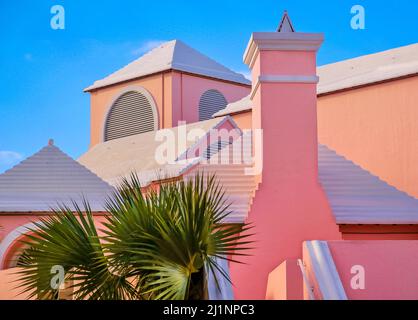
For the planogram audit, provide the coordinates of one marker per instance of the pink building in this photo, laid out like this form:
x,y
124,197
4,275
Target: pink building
x,y
334,216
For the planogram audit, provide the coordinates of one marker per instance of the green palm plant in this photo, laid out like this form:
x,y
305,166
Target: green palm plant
x,y
158,245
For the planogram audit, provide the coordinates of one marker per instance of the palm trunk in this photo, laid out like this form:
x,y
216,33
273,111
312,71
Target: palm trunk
x,y
198,289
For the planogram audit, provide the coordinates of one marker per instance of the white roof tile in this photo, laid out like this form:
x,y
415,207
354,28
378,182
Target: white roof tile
x,y
174,55
50,177
355,195
116,159
47,178
245,104
358,197
368,69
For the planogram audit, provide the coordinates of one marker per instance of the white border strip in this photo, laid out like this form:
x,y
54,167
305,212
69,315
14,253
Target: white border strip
x,y
289,78
325,271
269,78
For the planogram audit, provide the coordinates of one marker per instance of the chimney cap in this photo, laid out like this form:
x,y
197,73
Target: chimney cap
x,y
285,24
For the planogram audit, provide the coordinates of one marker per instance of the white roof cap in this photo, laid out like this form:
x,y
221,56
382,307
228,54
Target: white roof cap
x,y
172,55
48,178
286,24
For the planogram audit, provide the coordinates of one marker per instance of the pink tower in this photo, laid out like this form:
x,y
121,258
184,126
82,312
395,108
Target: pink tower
x,y
290,205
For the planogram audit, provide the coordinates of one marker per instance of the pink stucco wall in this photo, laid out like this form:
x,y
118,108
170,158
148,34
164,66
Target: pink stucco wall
x,y
390,268
375,126
10,222
157,85
9,286
187,90
9,279
290,205
175,94
287,63
285,282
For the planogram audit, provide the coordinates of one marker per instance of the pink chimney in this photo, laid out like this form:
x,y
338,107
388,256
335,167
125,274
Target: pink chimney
x,y
290,205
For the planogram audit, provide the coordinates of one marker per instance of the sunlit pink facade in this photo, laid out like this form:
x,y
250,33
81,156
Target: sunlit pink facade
x,y
329,222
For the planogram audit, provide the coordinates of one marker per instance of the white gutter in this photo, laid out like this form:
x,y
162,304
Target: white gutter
x,y
306,279
325,271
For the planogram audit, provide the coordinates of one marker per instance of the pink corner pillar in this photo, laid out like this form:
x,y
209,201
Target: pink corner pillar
x,y
290,205
285,282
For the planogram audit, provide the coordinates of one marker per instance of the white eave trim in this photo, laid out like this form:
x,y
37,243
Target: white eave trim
x,y
236,78
288,78
364,80
325,271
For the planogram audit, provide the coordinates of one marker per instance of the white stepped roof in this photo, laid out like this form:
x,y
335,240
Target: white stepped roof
x,y
172,55
355,195
48,178
352,73
358,197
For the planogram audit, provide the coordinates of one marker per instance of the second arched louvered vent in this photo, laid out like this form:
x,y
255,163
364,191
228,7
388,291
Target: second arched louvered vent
x,y
211,102
132,113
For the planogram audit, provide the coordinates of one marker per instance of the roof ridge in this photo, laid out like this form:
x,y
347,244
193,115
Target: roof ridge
x,y
204,55
50,177
24,160
125,67
166,56
371,54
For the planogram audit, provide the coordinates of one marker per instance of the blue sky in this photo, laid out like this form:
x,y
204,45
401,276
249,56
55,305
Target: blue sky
x,y
43,71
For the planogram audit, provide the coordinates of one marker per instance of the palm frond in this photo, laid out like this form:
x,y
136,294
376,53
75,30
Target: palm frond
x,y
70,241
156,245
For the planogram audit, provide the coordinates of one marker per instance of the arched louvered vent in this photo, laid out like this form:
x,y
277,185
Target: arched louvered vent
x,y
132,113
211,102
